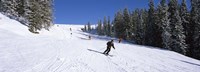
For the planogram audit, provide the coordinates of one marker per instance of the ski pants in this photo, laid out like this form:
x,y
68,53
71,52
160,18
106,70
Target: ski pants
x,y
107,50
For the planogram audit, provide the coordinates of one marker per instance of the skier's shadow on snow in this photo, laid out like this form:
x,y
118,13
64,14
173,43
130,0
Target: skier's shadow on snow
x,y
99,52
95,51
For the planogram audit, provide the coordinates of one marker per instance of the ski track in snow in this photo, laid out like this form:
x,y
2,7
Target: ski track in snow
x,y
59,51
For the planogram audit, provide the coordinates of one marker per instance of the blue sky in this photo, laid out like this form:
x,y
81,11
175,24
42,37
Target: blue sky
x,y
82,11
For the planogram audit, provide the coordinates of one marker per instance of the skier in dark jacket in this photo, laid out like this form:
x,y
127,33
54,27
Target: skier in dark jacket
x,y
109,45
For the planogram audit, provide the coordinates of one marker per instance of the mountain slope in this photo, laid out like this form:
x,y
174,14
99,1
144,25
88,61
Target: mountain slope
x,y
59,51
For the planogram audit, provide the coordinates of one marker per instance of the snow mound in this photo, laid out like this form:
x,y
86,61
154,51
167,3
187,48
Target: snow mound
x,y
13,26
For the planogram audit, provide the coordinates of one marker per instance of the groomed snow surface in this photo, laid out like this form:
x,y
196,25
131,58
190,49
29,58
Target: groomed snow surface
x,y
59,51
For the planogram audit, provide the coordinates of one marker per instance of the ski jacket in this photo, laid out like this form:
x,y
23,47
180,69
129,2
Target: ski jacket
x,y
110,44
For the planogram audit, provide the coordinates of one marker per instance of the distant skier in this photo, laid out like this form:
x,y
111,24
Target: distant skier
x,y
120,39
89,37
70,29
109,45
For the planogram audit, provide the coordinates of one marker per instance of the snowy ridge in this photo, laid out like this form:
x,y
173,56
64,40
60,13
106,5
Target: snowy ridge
x,y
14,26
59,51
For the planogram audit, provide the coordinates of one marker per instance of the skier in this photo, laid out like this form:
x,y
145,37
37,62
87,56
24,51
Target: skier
x,y
109,45
70,29
89,37
120,39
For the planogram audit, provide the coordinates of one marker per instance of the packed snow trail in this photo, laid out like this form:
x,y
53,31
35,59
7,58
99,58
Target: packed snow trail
x,y
59,51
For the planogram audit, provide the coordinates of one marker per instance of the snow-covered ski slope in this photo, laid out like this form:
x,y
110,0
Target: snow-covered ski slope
x,y
59,51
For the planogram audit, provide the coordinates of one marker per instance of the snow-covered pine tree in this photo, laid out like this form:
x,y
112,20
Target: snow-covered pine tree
x,y
39,14
185,18
133,24
164,24
89,27
99,28
26,12
14,9
184,13
118,24
36,14
126,26
85,28
112,29
109,27
8,8
33,16
20,7
21,11
158,29
105,26
140,28
178,37
195,21
145,21
47,13
150,37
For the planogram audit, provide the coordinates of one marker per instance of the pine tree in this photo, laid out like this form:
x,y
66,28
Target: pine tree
x,y
113,29
158,29
20,7
21,11
126,26
36,14
185,17
118,25
47,13
151,26
8,8
85,28
89,27
140,28
195,27
145,21
109,27
133,24
99,28
178,37
33,16
164,24
105,26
